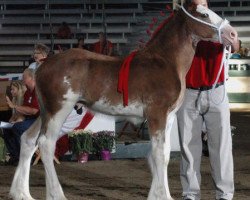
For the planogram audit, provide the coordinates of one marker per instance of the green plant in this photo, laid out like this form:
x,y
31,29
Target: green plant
x,y
104,140
81,141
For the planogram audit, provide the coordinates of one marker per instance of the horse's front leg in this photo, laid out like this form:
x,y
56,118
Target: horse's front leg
x,y
159,158
20,185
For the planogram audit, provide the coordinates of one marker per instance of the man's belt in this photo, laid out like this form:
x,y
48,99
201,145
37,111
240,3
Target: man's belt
x,y
204,88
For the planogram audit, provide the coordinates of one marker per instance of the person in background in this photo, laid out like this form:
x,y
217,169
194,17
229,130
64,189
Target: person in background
x,y
41,52
80,44
17,90
201,105
241,53
29,109
64,31
103,46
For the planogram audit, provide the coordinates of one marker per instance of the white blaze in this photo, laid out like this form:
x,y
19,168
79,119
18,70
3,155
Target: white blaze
x,y
213,17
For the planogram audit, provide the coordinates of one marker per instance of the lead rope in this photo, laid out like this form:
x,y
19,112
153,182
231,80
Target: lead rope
x,y
224,61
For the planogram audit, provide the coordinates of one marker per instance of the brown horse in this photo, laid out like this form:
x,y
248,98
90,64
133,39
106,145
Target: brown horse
x,y
156,85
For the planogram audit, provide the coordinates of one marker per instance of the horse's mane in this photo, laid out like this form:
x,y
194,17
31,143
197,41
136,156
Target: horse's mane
x,y
162,24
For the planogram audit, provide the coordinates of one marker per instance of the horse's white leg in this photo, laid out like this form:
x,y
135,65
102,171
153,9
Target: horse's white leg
x,y
47,143
47,148
158,161
20,185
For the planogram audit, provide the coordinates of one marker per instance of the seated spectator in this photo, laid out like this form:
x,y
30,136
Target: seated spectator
x,y
41,52
17,90
30,110
103,46
80,44
241,53
64,31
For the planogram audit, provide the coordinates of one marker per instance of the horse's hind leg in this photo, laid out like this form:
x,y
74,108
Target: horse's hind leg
x,y
159,159
46,146
20,185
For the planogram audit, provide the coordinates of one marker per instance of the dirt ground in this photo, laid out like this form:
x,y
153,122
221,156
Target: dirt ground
x,y
130,179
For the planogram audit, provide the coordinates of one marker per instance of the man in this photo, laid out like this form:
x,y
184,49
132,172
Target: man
x,y
64,31
30,109
41,52
202,104
103,46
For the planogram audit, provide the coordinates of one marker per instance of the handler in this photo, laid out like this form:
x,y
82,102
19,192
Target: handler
x,y
202,104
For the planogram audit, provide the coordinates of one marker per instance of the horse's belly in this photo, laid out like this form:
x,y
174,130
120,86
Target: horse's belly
x,y
134,109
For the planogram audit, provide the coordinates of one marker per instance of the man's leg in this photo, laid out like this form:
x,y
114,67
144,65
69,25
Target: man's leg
x,y
220,145
190,125
10,142
18,129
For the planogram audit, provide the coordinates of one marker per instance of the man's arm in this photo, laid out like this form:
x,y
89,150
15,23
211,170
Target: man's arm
x,y
26,110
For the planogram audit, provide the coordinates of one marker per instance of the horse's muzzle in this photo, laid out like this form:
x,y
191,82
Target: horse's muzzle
x,y
229,37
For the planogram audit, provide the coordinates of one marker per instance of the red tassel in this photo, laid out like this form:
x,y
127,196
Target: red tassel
x,y
141,40
168,7
155,20
149,32
151,26
163,14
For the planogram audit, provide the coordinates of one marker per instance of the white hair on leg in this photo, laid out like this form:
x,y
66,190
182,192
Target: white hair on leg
x,y
53,187
159,160
20,185
47,146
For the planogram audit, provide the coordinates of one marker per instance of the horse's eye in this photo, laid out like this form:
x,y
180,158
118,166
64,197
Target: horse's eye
x,y
205,15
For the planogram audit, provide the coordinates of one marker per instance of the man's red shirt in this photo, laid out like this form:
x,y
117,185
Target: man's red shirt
x,y
205,66
30,100
102,49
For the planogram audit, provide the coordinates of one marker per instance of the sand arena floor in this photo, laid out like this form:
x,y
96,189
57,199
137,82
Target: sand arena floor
x,y
130,179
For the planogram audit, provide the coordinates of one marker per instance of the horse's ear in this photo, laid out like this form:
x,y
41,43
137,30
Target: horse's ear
x,y
187,3
181,2
190,5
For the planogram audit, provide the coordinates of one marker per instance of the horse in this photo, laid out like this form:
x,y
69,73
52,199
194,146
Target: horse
x,y
154,91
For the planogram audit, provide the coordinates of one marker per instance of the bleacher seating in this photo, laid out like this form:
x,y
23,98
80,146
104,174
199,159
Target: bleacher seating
x,y
238,13
24,23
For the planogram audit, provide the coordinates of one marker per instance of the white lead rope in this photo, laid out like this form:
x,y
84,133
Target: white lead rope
x,y
224,62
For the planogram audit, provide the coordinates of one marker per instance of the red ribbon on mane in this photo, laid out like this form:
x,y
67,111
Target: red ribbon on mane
x,y
124,71
123,77
162,24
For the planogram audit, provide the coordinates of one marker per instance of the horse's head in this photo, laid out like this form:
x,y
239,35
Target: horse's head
x,y
207,25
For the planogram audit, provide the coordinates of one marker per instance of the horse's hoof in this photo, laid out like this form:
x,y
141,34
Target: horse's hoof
x,y
21,197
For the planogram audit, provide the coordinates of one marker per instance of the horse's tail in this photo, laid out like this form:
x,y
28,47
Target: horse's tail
x,y
42,115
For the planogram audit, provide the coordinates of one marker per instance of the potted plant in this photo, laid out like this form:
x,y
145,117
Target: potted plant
x,y
81,143
104,142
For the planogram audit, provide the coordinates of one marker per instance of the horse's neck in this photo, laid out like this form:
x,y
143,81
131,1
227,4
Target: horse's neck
x,y
174,44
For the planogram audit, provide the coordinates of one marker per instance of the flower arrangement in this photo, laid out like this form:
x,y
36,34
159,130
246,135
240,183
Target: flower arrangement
x,y
104,140
81,141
